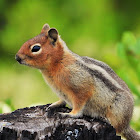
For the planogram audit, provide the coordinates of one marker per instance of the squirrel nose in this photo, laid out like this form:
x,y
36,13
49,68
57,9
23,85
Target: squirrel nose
x,y
18,58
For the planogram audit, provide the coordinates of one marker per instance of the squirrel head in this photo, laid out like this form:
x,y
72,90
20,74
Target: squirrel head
x,y
42,50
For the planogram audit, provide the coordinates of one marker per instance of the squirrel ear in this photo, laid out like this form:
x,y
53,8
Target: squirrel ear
x,y
53,34
45,28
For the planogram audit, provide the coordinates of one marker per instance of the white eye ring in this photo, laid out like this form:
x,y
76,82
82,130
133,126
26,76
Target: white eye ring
x,y
36,48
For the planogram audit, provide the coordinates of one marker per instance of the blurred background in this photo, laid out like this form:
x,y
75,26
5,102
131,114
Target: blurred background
x,y
108,30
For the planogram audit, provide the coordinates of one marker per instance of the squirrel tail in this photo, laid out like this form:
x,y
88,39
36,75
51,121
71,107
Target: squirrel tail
x,y
130,134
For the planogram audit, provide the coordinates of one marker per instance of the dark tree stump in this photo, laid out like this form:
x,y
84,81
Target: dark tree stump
x,y
32,124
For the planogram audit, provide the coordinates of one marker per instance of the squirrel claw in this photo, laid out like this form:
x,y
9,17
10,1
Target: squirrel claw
x,y
63,115
67,115
49,111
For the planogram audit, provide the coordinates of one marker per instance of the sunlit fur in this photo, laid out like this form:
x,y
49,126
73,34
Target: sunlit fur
x,y
89,86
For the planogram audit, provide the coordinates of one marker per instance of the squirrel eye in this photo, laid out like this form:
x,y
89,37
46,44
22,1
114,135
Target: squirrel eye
x,y
35,48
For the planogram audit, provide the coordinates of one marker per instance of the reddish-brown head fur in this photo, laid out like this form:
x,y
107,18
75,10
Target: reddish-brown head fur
x,y
41,51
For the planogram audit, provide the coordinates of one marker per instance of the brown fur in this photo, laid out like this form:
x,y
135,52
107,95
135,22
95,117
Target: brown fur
x,y
114,121
58,75
89,86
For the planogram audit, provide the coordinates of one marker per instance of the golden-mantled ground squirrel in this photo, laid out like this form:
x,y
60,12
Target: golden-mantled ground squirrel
x,y
89,86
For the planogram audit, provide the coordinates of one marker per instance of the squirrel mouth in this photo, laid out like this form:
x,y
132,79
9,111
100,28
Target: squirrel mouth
x,y
19,59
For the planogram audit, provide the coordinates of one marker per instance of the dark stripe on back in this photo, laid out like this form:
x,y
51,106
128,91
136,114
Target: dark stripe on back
x,y
99,75
107,69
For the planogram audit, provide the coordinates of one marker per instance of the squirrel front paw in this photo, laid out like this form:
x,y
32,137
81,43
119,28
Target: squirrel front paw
x,y
51,108
69,115
59,103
